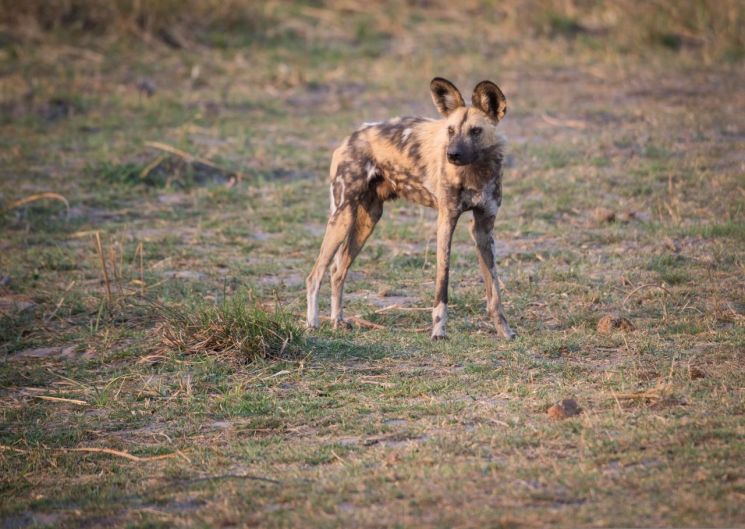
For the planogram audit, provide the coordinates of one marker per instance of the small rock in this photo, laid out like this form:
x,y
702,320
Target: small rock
x,y
609,323
604,215
564,409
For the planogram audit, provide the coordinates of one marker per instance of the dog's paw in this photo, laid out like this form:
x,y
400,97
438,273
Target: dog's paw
x,y
505,331
438,337
509,336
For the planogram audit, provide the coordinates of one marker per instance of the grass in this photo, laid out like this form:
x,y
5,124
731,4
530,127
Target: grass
x,y
234,330
262,424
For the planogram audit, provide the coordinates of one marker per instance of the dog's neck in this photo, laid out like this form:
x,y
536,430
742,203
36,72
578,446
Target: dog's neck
x,y
477,174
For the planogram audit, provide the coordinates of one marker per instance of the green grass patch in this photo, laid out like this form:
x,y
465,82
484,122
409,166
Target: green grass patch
x,y
235,329
730,230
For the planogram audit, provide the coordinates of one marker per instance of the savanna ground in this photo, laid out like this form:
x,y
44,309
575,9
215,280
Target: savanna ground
x,y
624,195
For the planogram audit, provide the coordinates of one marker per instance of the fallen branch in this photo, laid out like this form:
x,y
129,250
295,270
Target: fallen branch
x,y
61,399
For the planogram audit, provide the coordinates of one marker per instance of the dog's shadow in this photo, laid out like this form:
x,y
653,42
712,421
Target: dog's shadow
x,y
341,348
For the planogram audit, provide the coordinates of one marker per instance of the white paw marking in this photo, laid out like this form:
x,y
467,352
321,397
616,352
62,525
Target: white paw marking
x,y
312,319
439,319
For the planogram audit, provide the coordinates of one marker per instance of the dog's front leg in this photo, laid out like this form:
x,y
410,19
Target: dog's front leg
x,y
446,222
481,233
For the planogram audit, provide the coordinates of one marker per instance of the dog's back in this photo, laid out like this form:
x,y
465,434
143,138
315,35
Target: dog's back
x,y
406,158
388,158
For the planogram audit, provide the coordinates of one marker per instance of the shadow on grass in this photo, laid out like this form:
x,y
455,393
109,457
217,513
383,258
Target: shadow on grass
x,y
328,348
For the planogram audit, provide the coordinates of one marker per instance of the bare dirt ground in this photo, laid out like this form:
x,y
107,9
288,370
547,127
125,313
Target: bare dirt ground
x,y
201,165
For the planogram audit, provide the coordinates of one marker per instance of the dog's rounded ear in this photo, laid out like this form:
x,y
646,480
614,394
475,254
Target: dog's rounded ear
x,y
445,96
489,98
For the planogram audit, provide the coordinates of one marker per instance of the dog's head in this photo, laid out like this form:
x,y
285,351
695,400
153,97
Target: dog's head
x,y
471,130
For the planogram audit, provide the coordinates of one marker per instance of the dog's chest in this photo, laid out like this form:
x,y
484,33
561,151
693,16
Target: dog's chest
x,y
485,195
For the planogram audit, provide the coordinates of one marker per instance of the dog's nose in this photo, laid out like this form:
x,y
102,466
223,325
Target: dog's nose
x,y
454,157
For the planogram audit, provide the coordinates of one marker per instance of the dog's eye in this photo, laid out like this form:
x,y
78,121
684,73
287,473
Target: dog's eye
x,y
451,131
475,131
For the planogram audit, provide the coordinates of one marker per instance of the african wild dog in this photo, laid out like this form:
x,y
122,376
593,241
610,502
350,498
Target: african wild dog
x,y
452,164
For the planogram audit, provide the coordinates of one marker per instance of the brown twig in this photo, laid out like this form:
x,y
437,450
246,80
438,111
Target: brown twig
x,y
119,453
62,399
640,287
572,123
13,449
103,267
656,392
60,302
152,165
109,451
190,158
40,196
141,250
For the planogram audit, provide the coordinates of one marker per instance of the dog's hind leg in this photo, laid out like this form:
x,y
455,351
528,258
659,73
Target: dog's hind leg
x,y
365,217
338,229
481,233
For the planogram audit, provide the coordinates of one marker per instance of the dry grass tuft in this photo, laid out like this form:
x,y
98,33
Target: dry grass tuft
x,y
236,330
710,29
163,19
